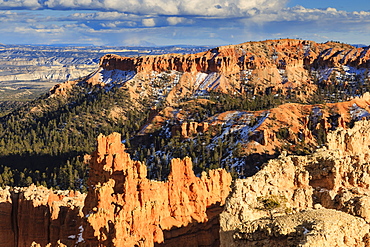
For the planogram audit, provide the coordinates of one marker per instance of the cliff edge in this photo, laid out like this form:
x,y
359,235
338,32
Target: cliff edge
x,y
336,177
124,208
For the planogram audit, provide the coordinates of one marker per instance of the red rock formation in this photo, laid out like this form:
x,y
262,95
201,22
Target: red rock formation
x,y
278,66
288,54
188,130
6,219
124,208
62,88
40,216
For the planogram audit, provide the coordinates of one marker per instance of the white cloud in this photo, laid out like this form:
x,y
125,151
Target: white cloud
x,y
150,22
26,4
175,20
102,16
224,8
330,15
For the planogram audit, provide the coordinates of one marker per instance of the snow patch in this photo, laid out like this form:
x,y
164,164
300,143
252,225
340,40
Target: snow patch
x,y
162,84
206,82
116,76
357,113
79,236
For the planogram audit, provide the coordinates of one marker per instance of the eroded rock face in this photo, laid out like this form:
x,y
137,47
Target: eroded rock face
x,y
124,208
6,229
336,178
62,88
272,66
37,215
282,54
307,228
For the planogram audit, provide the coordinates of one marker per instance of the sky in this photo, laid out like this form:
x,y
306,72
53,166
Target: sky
x,y
179,22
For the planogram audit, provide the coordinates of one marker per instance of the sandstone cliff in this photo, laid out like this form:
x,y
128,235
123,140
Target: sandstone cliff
x,y
232,59
37,215
335,178
275,66
286,66
124,208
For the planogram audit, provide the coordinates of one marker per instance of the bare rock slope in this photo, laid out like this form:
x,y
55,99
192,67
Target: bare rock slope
x,y
283,204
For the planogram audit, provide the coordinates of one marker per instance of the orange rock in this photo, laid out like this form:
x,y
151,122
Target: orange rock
x,y
37,216
62,88
124,208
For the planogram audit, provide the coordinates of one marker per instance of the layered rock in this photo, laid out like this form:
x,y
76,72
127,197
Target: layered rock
x,y
353,140
37,215
282,54
7,236
187,130
336,178
124,208
272,66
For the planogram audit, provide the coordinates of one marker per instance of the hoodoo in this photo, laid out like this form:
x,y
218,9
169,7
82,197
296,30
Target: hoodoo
x,y
124,208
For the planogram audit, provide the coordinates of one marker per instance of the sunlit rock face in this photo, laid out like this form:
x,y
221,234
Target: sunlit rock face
x,y
124,208
287,201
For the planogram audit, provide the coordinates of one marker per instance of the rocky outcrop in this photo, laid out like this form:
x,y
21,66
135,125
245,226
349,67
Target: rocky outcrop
x,y
282,54
272,66
276,67
306,228
124,208
216,60
353,140
7,233
37,215
336,178
189,129
62,88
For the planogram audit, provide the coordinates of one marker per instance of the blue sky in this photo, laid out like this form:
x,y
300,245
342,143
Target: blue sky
x,y
173,22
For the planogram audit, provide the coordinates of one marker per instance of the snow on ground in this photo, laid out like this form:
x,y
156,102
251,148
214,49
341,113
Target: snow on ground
x,y
284,76
324,74
245,75
116,76
349,74
200,77
79,236
354,71
162,83
240,124
206,82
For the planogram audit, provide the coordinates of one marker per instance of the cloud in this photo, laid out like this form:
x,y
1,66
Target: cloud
x,y
173,20
102,16
150,22
21,4
225,8
300,13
